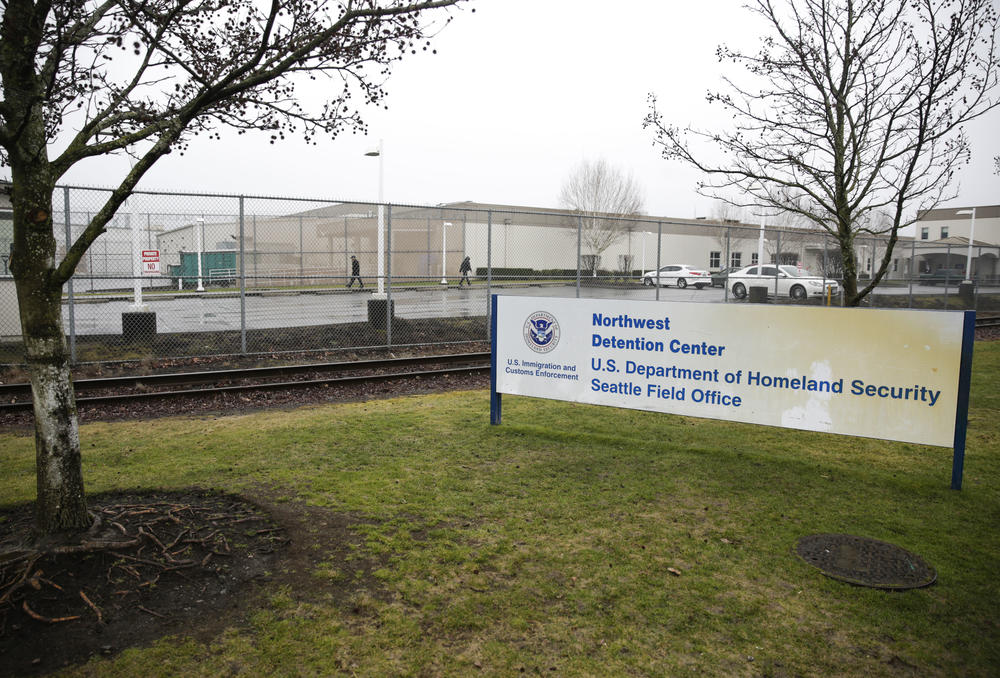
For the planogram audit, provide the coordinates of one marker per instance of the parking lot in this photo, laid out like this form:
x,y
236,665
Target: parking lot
x,y
214,311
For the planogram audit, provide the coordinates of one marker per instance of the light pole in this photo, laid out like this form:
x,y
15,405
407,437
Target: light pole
x,y
136,258
972,235
380,154
760,248
444,251
201,237
643,265
506,229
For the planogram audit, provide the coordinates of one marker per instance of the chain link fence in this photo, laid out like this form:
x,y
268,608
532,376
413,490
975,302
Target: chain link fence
x,y
184,275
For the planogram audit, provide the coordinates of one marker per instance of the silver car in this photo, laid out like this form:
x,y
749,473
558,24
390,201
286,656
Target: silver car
x,y
681,275
781,281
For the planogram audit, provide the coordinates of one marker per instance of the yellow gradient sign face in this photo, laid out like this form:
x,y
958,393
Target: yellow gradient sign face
x,y
890,374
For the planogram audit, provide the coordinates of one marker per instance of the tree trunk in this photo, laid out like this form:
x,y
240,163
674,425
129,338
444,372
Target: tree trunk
x,y
845,239
61,504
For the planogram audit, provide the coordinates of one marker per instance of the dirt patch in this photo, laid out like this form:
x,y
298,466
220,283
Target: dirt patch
x,y
228,403
161,563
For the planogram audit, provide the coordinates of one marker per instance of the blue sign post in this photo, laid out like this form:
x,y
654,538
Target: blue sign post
x,y
964,385
494,394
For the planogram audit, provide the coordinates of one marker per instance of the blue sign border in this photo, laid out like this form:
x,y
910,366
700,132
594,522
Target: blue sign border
x,y
961,413
495,405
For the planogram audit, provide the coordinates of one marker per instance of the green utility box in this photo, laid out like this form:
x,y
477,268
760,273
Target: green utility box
x,y
218,268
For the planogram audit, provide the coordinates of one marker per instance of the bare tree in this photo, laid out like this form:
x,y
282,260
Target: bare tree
x,y
852,108
86,78
603,196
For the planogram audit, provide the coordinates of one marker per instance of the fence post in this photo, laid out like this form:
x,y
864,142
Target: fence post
x,y
104,239
579,261
90,266
659,247
826,292
947,264
388,276
489,273
243,283
302,255
776,264
912,269
870,269
69,284
726,261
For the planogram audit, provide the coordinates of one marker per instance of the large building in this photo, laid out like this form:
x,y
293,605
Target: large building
x,y
277,242
319,242
943,238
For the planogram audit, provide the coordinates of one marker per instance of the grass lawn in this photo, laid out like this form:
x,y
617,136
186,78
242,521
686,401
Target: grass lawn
x,y
548,545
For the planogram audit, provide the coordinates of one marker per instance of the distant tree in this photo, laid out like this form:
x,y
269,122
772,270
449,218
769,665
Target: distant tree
x,y
852,108
604,197
87,78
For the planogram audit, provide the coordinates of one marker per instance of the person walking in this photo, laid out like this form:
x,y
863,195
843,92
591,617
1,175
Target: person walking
x,y
464,270
356,273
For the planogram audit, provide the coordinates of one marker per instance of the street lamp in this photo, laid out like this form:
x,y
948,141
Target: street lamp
x,y
760,247
444,250
380,154
201,244
643,265
136,258
972,235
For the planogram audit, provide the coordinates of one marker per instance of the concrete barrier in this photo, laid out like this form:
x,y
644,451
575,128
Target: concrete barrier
x,y
377,311
758,294
967,293
138,326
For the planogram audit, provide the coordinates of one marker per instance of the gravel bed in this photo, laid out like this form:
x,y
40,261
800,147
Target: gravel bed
x,y
252,401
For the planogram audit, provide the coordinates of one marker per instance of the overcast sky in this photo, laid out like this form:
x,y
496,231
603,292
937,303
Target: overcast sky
x,y
518,93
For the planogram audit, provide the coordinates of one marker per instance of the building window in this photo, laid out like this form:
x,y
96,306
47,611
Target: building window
x,y
713,259
924,232
735,258
753,259
895,265
944,232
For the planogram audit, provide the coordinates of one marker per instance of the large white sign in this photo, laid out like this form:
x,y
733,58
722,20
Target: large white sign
x,y
890,374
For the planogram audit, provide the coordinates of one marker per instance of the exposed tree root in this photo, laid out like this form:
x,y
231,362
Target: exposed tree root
x,y
90,603
139,544
48,620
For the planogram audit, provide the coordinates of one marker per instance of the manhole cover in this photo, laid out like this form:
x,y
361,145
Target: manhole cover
x,y
865,562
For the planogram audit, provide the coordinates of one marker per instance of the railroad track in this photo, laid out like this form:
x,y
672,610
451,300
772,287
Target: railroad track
x,y
989,320
111,390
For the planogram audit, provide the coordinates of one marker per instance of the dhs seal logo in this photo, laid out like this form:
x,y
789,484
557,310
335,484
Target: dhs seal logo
x,y
541,332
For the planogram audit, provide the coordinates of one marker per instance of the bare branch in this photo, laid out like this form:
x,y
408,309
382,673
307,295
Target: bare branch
x,y
850,110
602,196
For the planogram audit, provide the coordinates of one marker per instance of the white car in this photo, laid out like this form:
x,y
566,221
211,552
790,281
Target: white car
x,y
781,281
681,275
